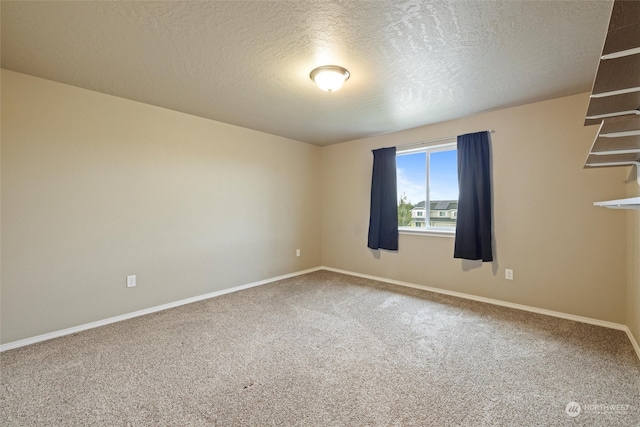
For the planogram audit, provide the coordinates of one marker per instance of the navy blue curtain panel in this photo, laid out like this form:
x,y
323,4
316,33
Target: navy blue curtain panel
x,y
473,226
383,220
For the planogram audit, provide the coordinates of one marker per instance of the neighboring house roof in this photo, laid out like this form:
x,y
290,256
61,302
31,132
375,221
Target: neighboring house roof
x,y
443,205
438,205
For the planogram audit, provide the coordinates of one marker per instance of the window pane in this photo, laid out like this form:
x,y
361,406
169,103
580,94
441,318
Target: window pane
x,y
412,189
443,188
428,187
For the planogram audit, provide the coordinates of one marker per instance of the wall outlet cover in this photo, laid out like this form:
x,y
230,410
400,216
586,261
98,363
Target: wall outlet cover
x,y
131,281
508,274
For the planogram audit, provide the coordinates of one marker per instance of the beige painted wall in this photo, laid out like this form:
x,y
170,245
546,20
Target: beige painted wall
x,y
95,188
567,255
633,259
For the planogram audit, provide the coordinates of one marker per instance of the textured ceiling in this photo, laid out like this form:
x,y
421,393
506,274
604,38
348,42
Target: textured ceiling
x,y
412,63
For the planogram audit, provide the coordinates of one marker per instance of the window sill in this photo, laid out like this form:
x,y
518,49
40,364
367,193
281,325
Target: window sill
x,y
436,233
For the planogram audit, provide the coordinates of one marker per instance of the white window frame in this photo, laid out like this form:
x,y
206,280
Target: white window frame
x,y
428,229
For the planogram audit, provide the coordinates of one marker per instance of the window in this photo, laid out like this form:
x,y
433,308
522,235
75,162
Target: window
x,y
428,187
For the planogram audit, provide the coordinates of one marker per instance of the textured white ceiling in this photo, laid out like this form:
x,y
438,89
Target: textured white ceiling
x,y
247,63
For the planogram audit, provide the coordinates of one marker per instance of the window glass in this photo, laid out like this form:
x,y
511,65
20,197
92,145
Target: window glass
x,y
428,188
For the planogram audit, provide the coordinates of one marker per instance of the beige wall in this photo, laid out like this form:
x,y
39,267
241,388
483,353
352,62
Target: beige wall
x,y
95,188
567,255
633,259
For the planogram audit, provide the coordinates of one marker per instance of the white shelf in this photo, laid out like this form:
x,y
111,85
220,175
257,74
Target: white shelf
x,y
615,98
631,203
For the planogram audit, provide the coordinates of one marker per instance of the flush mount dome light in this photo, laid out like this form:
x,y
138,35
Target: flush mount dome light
x,y
329,78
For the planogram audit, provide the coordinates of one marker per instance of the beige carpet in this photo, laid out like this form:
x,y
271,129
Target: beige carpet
x,y
325,349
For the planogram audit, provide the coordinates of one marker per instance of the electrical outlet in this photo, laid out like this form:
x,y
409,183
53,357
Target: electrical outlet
x,y
131,281
297,252
508,274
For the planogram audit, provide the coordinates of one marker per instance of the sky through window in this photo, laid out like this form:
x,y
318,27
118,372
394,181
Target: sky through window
x,y
411,175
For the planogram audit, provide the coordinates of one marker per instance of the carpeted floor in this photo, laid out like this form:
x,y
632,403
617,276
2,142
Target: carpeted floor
x,y
325,349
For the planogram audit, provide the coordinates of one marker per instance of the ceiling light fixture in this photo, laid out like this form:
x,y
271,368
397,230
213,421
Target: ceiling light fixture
x,y
329,78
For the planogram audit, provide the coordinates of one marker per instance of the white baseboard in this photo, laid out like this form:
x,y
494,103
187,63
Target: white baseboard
x,y
98,323
633,341
75,329
552,313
